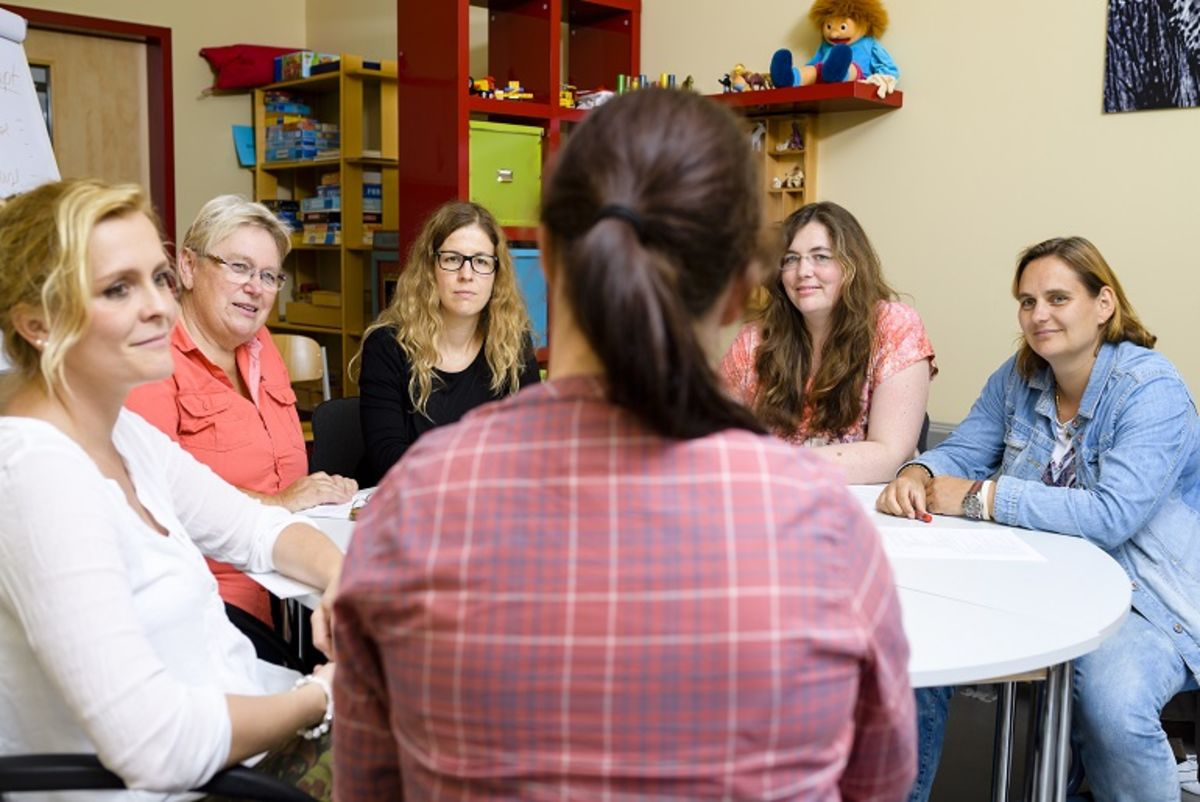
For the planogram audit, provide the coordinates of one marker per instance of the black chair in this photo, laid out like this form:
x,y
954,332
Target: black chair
x,y
337,438
20,773
923,437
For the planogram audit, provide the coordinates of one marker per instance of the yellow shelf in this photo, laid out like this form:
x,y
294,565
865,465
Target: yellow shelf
x,y
361,97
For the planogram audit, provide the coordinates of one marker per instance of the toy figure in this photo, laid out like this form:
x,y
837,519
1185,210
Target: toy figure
x,y
726,83
741,79
849,52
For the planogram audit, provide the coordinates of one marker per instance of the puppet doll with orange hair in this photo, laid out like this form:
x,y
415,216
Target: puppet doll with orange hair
x,y
850,50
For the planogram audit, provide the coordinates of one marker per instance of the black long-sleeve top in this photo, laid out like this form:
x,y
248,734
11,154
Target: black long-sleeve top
x,y
390,424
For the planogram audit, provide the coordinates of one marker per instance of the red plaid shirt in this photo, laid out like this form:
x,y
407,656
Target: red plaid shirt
x,y
546,601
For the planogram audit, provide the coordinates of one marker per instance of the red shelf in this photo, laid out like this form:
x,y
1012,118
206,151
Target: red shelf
x,y
520,233
844,96
571,115
509,108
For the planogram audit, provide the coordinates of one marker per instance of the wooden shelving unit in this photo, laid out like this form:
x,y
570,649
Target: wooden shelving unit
x,y
361,97
783,124
541,43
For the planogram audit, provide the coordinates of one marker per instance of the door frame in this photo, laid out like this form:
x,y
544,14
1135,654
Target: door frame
x,y
160,99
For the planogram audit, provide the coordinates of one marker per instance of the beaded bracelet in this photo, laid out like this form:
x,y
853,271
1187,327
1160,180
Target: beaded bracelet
x,y
322,727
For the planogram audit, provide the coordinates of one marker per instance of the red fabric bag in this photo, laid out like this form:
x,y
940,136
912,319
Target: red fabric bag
x,y
243,66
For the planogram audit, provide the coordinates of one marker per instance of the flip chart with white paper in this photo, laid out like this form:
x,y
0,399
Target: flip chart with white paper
x,y
26,158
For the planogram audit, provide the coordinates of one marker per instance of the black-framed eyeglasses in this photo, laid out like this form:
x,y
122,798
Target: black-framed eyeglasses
x,y
242,273
452,261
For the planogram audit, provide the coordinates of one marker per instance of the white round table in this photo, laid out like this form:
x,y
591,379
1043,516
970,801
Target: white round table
x,y
972,620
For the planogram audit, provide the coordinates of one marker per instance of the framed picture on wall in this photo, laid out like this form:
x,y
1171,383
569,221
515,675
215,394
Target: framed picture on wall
x,y
385,270
1153,55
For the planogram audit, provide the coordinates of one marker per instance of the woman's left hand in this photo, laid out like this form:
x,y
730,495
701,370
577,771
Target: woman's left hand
x,y
318,488
944,494
322,620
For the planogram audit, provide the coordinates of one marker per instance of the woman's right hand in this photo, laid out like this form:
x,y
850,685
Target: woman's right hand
x,y
318,488
904,496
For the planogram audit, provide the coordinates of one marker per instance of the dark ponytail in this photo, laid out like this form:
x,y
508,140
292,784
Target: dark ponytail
x,y
653,209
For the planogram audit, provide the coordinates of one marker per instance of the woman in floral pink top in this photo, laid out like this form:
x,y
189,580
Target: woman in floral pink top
x,y
834,361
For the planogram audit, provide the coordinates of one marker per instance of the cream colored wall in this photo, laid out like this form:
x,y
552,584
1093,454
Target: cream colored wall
x,y
365,28
205,163
1001,143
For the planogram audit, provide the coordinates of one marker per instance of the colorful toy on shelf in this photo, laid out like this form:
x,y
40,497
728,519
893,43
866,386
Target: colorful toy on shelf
x,y
513,91
793,179
689,84
742,80
566,96
591,98
484,87
850,50
726,83
795,142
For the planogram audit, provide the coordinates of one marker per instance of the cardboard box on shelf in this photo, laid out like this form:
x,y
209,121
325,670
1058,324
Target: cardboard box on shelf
x,y
290,66
313,315
326,298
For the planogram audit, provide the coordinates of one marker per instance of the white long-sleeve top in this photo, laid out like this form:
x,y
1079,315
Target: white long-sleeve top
x,y
113,638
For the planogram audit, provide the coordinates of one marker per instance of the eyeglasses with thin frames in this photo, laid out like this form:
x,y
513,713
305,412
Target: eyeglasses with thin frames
x,y
792,260
452,261
242,273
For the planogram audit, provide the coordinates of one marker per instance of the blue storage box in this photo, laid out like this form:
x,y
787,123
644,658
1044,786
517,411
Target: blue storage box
x,y
528,265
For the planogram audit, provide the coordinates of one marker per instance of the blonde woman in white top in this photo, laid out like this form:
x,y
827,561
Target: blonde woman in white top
x,y
113,636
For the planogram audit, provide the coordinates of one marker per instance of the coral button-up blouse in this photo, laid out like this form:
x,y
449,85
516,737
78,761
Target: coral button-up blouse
x,y
253,443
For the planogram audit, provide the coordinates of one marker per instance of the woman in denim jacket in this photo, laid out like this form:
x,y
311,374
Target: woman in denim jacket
x,y
1088,432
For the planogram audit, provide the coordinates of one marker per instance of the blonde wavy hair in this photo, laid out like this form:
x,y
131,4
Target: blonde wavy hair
x,y
416,311
44,237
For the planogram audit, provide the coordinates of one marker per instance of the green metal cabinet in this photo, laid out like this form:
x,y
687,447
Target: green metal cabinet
x,y
506,170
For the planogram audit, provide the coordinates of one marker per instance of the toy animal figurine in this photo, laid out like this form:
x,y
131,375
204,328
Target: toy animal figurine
x,y
757,135
688,83
726,83
758,81
850,50
738,82
794,179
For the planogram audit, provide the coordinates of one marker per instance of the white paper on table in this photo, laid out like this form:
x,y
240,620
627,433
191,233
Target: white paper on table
x,y
955,543
340,511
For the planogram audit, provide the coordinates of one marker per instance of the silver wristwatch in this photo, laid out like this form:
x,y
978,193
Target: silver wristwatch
x,y
973,501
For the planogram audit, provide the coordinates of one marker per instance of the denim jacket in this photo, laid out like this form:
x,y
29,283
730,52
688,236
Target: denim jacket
x,y
1137,494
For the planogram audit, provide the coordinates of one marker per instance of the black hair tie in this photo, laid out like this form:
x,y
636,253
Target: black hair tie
x,y
623,213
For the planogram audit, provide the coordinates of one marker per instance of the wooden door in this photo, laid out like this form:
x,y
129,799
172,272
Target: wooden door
x,y
100,104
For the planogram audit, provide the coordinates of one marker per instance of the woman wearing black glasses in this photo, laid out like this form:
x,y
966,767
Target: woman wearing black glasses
x,y
230,401
455,336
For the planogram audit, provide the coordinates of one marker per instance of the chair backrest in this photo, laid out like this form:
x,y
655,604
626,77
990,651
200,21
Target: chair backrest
x,y
923,437
305,358
73,772
337,438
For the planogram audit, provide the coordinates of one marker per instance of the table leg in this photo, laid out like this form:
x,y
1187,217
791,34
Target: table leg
x,y
298,614
1062,757
1046,731
1002,750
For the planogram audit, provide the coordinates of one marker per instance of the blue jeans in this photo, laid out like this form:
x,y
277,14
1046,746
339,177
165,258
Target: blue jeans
x,y
1120,690
933,705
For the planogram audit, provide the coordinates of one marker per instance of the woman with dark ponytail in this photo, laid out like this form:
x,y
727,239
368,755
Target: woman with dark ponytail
x,y
615,581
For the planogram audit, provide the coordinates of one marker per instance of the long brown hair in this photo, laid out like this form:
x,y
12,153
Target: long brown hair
x,y
1094,273
783,362
651,211
415,310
